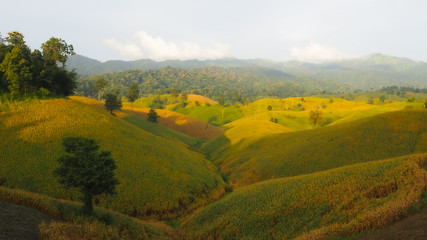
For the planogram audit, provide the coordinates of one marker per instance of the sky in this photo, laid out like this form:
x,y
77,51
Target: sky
x,y
282,30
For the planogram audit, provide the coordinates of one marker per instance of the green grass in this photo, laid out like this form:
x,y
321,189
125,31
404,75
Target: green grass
x,y
324,205
213,114
289,154
159,177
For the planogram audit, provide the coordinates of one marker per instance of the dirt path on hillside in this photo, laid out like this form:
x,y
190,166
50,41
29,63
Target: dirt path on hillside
x,y
412,227
17,222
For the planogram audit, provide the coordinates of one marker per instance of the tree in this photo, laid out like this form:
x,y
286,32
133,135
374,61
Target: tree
x,y
184,97
315,117
56,50
152,115
16,67
425,103
100,84
15,39
133,93
222,102
112,102
84,167
21,70
382,98
269,108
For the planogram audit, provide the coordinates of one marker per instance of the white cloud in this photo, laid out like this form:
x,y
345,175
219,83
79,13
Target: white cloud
x,y
315,52
126,50
158,48
155,47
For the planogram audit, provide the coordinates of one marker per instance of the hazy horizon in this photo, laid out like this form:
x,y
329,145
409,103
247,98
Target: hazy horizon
x,y
308,30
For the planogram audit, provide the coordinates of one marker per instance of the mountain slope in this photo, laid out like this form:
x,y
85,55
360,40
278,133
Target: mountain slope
x,y
159,178
324,205
295,153
371,71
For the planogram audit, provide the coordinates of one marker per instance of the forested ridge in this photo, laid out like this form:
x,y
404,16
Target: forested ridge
x,y
234,84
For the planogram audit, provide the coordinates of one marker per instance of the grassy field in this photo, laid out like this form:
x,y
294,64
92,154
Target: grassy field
x,y
293,112
214,114
293,153
239,135
324,205
159,177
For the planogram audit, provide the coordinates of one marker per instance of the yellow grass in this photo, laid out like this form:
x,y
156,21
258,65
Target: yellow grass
x,y
201,99
159,178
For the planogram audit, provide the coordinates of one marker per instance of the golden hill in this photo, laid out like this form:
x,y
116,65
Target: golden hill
x,y
294,153
159,177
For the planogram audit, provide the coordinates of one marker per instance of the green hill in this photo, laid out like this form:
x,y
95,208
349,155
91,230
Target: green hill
x,y
159,177
325,205
294,153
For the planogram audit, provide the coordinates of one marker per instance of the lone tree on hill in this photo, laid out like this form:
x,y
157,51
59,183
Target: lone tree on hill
x,y
112,102
100,84
315,117
152,115
133,93
84,167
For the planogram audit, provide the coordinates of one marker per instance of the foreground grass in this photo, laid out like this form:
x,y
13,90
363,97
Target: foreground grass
x,y
104,224
324,205
289,154
159,178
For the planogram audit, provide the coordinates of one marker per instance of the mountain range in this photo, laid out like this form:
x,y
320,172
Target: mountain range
x,y
368,72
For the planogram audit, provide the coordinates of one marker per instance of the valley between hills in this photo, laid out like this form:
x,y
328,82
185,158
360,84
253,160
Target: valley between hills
x,y
266,174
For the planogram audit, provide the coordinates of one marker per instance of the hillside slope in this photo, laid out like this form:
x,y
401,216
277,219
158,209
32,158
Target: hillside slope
x,y
323,205
159,178
180,123
289,154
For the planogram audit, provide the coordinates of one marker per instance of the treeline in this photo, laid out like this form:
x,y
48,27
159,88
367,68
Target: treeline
x,y
401,91
233,84
42,73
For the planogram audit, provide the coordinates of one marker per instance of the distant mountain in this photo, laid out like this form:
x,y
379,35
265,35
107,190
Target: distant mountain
x,y
371,71
85,66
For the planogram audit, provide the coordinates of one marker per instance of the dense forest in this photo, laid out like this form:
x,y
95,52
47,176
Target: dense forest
x,y
369,72
36,72
234,84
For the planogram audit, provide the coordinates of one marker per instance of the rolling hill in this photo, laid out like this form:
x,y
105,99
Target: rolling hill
x,y
159,177
294,153
325,205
